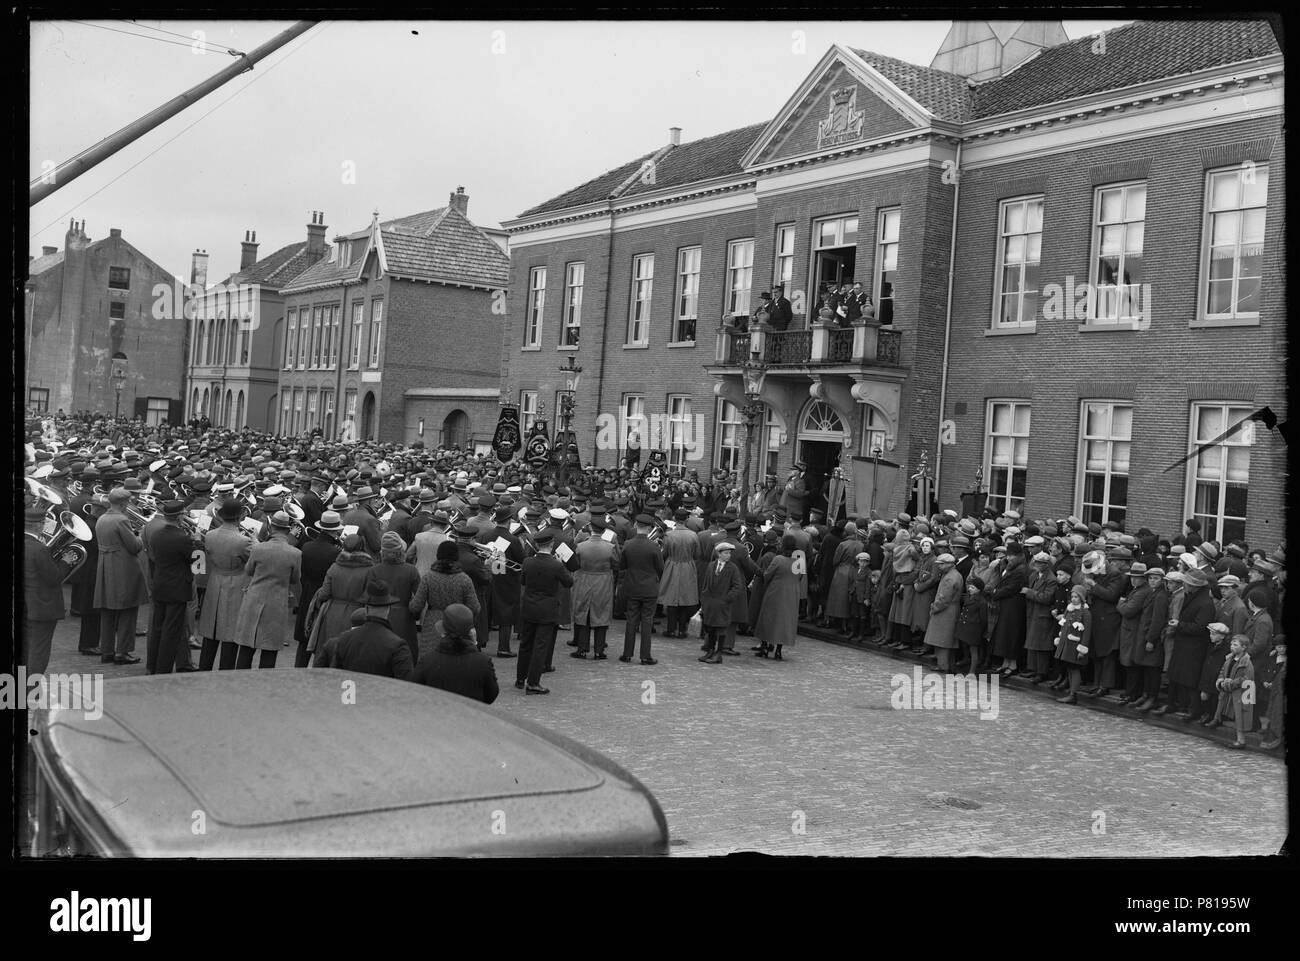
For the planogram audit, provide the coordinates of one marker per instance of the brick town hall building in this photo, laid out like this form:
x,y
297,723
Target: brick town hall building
x,y
1145,166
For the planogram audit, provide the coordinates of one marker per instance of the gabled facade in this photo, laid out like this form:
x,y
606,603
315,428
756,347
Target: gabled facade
x,y
237,333
394,335
89,303
1124,162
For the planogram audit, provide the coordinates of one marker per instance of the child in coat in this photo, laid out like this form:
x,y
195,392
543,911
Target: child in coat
x,y
1236,685
972,620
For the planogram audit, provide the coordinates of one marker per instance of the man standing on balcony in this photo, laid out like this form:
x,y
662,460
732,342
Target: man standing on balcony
x,y
782,314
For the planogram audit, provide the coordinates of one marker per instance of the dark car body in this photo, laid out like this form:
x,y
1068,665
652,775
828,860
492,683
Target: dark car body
x,y
322,763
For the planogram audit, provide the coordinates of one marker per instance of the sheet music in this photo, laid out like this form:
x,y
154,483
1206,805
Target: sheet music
x,y
563,552
608,535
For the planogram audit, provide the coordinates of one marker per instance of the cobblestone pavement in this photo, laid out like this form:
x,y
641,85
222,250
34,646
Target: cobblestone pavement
x,y
807,756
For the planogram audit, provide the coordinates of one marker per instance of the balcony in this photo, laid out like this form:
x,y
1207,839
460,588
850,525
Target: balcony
x,y
861,345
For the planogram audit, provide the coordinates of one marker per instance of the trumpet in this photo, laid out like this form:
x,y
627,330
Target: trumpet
x,y
138,516
486,552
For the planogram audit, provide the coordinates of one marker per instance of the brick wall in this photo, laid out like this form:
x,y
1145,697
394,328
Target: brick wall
x,y
73,336
1057,366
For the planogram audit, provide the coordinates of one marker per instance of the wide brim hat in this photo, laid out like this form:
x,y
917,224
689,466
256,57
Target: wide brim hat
x,y
1208,551
330,522
1195,578
281,520
365,494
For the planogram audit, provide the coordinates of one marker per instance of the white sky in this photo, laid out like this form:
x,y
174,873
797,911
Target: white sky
x,y
418,108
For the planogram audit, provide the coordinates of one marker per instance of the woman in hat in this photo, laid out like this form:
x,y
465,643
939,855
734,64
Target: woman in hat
x,y
927,580
319,552
778,616
456,664
1191,638
444,585
904,560
226,553
403,580
273,567
341,592
843,564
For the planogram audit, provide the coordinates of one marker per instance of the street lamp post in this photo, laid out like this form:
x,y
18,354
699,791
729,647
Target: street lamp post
x,y
119,381
875,468
753,373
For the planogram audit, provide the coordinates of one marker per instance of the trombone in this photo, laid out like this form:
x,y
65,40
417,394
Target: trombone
x,y
486,552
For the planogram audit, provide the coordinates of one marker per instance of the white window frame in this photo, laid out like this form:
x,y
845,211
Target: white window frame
x,y
1245,174
291,341
875,430
310,422
1212,525
286,413
886,254
840,239
638,319
772,431
1110,439
740,276
1116,304
350,406
376,332
1005,501
317,336
783,266
41,402
574,278
536,307
304,336
297,410
157,410
358,333
686,303
527,410
1031,203
679,427
632,413
729,418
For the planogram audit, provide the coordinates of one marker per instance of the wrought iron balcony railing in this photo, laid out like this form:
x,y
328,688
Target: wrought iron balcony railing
x,y
822,344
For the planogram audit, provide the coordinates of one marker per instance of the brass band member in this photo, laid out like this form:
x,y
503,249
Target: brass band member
x,y
119,582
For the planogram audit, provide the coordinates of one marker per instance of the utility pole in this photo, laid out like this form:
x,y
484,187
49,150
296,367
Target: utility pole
x,y
70,170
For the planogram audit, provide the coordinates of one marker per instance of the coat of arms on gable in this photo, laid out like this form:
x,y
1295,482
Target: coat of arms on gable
x,y
844,122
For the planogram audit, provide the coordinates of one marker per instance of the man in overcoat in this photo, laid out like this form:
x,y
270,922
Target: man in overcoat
x,y
719,588
274,566
643,568
167,649
542,580
372,647
42,595
119,583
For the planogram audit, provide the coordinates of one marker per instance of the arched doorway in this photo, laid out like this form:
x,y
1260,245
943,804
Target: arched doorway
x,y
368,416
455,429
194,405
239,411
203,410
229,409
822,432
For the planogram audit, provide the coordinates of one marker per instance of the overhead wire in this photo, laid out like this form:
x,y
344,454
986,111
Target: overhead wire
x,y
145,36
256,76
190,40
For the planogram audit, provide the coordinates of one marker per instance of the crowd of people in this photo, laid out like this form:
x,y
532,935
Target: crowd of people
x,y
405,561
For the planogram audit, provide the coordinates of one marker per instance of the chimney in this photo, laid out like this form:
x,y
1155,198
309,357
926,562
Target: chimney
x,y
47,251
115,232
316,235
76,238
460,200
248,250
199,269
675,136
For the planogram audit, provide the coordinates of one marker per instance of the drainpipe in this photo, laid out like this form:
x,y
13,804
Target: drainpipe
x,y
947,322
604,333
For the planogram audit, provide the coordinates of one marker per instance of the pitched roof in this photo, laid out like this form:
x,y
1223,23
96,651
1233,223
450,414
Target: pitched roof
x,y
1135,53
444,247
276,269
944,94
44,263
707,159
437,245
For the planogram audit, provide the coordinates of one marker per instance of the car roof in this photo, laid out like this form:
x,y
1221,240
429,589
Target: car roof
x,y
314,751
